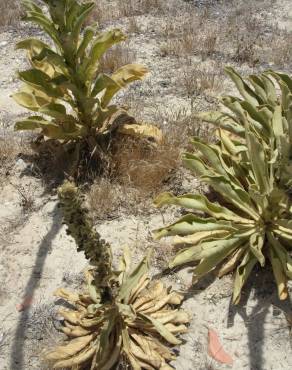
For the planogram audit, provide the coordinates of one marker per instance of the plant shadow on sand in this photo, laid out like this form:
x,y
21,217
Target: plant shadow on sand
x,y
262,288
258,296
17,352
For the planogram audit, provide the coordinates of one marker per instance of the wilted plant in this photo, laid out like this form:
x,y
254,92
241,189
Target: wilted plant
x,y
123,317
252,221
65,83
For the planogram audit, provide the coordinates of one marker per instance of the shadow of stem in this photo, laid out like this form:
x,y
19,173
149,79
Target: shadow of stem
x,y
17,351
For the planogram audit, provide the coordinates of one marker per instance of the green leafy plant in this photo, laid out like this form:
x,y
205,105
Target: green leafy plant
x,y
252,221
268,113
122,317
65,86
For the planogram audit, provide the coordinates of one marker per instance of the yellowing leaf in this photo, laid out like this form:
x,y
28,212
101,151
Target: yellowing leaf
x,y
141,131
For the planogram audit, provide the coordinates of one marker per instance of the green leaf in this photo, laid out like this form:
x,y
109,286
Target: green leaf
x,y
199,236
270,89
233,193
242,273
282,254
247,93
87,38
55,110
31,6
32,44
26,100
122,77
256,243
64,131
208,248
31,123
46,25
71,14
189,224
217,252
125,264
243,115
231,146
258,162
102,82
133,279
280,276
101,44
199,202
86,9
40,80
211,155
56,60
162,330
95,295
222,120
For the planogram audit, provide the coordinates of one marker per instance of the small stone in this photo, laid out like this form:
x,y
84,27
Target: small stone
x,y
3,43
20,165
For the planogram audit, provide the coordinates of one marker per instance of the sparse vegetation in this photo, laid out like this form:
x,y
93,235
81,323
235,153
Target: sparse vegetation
x,y
196,81
185,46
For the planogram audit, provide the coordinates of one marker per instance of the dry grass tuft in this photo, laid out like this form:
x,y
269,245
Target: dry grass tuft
x,y
139,170
130,8
133,26
195,80
189,35
116,57
8,151
144,166
10,148
27,200
104,198
10,12
281,53
208,43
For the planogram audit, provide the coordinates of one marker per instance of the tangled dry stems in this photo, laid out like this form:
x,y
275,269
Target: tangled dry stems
x,y
10,12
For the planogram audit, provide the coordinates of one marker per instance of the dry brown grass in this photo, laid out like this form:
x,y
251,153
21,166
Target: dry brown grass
x,y
245,33
130,8
195,80
139,170
144,166
10,12
281,53
133,25
189,34
104,198
208,43
9,149
103,13
27,200
116,57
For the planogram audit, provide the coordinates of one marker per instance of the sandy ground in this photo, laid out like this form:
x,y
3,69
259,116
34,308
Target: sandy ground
x,y
37,256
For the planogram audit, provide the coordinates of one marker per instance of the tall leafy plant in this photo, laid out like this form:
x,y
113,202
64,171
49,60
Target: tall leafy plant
x,y
64,85
251,223
122,317
265,105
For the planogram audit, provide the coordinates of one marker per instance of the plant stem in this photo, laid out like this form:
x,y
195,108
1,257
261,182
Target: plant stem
x,y
80,227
